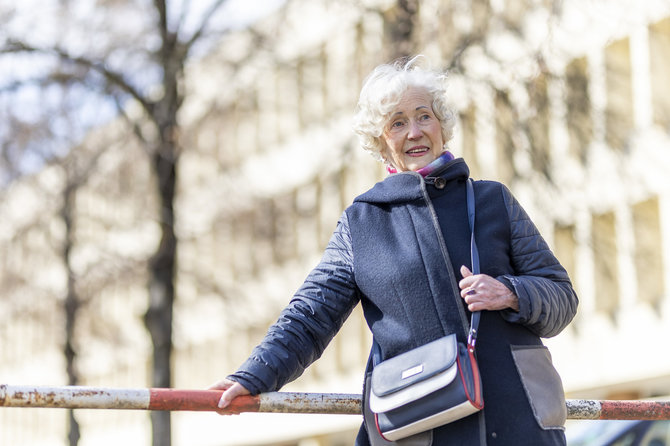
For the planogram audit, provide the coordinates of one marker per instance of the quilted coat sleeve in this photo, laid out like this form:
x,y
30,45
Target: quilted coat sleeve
x,y
547,301
308,323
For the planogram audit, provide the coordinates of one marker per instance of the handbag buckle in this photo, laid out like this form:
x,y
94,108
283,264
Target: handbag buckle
x,y
472,340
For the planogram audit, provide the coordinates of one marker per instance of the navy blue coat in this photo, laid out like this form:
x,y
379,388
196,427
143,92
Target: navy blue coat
x,y
398,249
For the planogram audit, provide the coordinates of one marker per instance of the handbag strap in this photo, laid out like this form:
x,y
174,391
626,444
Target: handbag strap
x,y
474,260
375,354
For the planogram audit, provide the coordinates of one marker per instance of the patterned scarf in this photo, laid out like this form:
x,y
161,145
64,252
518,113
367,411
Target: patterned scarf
x,y
435,165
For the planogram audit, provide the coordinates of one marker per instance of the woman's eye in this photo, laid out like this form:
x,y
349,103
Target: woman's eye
x,y
397,124
424,117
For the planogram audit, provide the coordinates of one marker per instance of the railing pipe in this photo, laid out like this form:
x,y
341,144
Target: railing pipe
x,y
81,397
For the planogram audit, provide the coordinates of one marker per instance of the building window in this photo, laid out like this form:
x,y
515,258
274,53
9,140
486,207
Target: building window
x,y
330,206
287,103
244,244
312,89
284,242
603,236
619,110
565,248
469,139
659,57
648,259
307,227
505,128
267,119
264,235
578,106
538,124
246,120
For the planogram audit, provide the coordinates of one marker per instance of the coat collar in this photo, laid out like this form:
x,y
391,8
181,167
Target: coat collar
x,y
407,186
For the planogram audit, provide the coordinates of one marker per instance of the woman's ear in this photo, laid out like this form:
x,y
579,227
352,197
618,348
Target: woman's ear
x,y
383,152
390,168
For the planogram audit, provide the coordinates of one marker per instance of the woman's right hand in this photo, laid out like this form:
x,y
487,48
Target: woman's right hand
x,y
483,292
231,390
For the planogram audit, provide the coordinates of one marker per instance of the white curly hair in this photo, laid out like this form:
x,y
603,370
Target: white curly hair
x,y
382,92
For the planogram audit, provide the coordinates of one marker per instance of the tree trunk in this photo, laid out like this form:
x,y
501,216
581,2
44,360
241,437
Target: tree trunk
x,y
71,307
158,318
162,265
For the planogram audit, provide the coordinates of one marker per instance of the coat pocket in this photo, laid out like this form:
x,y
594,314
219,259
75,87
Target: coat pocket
x,y
542,385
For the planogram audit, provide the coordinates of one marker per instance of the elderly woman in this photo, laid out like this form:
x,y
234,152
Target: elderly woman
x,y
403,250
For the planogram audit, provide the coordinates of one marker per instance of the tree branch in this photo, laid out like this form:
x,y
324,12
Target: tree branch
x,y
161,7
137,130
203,25
113,78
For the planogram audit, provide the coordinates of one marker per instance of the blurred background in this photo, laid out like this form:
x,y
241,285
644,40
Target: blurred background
x,y
171,170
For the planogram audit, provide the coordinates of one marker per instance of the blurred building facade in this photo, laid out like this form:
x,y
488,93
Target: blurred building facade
x,y
566,102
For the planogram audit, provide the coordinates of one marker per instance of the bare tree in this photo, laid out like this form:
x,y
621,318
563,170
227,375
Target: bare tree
x,y
77,170
32,139
134,56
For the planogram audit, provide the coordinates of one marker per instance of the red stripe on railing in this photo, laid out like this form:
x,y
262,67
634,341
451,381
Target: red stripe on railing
x,y
199,400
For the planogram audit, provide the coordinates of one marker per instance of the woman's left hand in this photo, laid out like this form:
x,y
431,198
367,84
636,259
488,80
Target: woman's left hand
x,y
231,390
483,292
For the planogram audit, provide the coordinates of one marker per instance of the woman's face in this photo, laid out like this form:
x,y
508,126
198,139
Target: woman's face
x,y
412,137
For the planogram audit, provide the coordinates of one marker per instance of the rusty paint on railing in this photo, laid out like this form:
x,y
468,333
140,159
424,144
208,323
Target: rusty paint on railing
x,y
295,402
73,397
618,410
80,397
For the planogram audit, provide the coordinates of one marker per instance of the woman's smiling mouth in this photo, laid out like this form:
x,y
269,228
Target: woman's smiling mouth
x,y
417,151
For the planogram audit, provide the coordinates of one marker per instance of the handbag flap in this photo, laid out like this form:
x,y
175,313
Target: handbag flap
x,y
411,394
414,366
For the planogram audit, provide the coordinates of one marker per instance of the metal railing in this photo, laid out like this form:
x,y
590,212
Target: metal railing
x,y
81,397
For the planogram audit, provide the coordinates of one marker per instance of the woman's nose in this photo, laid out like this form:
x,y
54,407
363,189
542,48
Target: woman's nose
x,y
414,131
